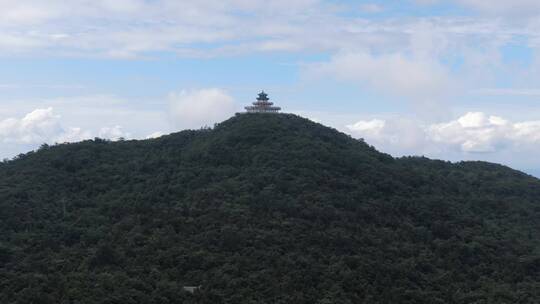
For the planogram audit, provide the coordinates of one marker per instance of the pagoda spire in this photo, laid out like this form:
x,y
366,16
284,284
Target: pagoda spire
x,y
262,105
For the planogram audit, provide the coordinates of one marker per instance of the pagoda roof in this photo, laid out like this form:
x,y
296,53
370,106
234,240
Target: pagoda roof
x,y
262,105
262,96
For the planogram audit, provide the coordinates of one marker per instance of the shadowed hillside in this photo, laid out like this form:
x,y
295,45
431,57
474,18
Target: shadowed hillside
x,y
263,208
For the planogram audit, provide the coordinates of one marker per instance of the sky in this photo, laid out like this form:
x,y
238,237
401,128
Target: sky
x,y
446,79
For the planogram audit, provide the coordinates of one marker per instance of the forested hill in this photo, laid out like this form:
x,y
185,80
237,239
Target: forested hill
x,y
263,209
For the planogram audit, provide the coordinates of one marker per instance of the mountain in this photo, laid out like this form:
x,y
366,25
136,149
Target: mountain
x,y
263,208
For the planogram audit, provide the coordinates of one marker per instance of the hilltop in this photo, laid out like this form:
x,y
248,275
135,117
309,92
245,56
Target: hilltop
x,y
263,208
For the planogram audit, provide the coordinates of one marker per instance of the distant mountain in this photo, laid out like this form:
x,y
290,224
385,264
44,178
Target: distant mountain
x,y
263,208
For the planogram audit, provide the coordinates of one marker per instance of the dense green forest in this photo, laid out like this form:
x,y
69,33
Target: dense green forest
x,y
263,208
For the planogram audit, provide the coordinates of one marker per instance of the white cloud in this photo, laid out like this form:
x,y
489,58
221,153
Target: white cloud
x,y
505,7
373,126
426,2
129,28
27,86
474,132
113,133
134,28
73,134
156,134
85,117
528,132
371,8
506,92
499,7
38,126
199,108
45,126
424,82
396,135
396,73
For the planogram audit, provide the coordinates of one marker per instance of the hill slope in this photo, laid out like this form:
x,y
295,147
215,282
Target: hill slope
x,y
263,209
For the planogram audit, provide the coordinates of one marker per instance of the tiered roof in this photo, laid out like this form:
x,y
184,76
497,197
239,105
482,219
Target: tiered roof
x,y
263,105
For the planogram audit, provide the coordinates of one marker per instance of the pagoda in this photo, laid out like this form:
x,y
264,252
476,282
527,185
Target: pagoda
x,y
263,105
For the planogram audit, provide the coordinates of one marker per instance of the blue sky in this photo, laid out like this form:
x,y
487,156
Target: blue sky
x,y
448,79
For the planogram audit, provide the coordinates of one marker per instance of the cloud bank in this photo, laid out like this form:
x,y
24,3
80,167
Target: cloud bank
x,y
137,28
418,79
44,126
198,108
472,133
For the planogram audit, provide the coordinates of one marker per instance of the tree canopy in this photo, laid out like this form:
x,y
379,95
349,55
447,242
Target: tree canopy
x,y
263,208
